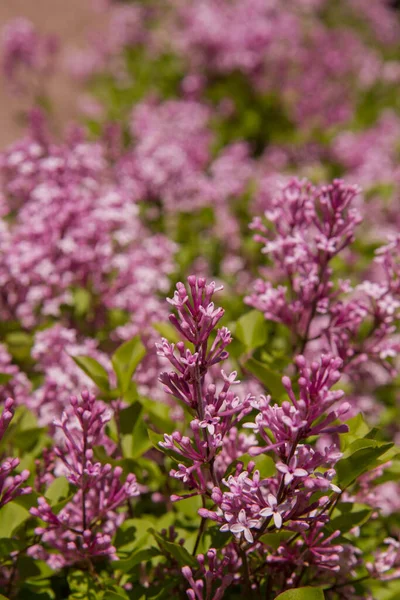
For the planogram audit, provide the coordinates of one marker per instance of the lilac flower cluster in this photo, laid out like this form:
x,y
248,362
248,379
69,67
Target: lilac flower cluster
x,y
251,502
310,227
216,580
83,528
215,411
18,387
246,503
11,485
27,54
171,160
212,38
41,264
76,229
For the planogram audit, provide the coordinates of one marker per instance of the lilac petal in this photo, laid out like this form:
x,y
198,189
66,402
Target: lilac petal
x,y
300,473
248,535
288,478
278,520
236,528
266,512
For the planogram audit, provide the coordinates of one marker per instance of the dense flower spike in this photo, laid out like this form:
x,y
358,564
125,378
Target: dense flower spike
x,y
251,501
216,412
83,528
216,582
11,485
245,502
312,226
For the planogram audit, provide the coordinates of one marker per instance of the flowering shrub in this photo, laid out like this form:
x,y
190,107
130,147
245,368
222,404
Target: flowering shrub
x,y
238,158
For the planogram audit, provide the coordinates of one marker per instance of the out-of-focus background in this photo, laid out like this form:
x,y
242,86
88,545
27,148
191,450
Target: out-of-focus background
x,y
70,20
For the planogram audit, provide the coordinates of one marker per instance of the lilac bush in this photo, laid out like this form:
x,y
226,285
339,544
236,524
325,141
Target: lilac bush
x,y
240,160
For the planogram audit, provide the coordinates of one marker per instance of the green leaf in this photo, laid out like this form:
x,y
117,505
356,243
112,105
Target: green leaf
x,y
136,443
27,439
275,539
178,552
348,515
251,329
304,593
11,517
57,490
60,505
216,538
137,557
19,345
167,330
27,500
358,428
389,591
128,417
82,301
133,535
155,438
264,463
189,507
8,545
271,379
159,414
5,378
112,595
35,572
125,361
94,370
360,456
82,586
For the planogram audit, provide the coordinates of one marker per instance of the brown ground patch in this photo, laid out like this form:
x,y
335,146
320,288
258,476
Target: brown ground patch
x,y
70,20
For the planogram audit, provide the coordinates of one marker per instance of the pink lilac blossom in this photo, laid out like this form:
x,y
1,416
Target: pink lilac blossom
x,y
215,411
26,52
386,565
370,156
225,36
171,164
336,74
19,386
311,226
83,529
53,350
172,144
379,16
383,497
290,49
245,503
77,228
251,501
11,485
212,569
328,559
